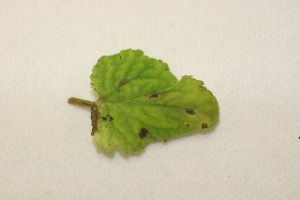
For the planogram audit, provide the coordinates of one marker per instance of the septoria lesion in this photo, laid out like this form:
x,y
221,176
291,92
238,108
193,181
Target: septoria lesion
x,y
190,111
156,96
94,117
143,133
153,95
204,125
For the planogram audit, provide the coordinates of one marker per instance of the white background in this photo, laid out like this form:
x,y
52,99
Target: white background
x,y
246,52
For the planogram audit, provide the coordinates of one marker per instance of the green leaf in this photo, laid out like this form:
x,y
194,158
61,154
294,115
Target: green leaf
x,y
141,101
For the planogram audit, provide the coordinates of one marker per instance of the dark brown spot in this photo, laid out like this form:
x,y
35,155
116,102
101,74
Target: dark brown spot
x,y
154,95
191,112
143,132
110,118
204,125
107,117
123,82
94,118
187,125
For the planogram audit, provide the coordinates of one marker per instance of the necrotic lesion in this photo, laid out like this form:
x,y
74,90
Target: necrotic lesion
x,y
94,118
189,111
143,132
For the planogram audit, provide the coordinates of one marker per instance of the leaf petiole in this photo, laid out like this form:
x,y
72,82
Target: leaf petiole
x,y
82,102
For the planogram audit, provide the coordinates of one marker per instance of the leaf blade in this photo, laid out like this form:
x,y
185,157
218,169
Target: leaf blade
x,y
141,102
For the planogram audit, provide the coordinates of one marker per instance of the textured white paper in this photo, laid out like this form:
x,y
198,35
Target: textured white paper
x,y
246,52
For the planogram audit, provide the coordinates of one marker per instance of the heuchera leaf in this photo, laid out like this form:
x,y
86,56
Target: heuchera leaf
x,y
141,101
